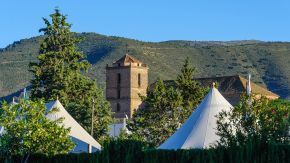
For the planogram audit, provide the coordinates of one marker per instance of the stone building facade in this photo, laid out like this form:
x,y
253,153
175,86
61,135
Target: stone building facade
x,y
125,80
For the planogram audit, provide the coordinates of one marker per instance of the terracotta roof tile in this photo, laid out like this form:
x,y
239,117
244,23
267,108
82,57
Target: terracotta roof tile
x,y
230,84
236,84
127,59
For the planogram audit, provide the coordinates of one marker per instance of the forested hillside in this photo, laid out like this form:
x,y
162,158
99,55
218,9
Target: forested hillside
x,y
268,62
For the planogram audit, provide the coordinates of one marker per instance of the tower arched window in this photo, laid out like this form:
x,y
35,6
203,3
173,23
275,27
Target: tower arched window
x,y
119,93
118,107
119,78
139,80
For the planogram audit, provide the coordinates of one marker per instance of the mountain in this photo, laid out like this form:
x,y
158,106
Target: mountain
x,y
268,62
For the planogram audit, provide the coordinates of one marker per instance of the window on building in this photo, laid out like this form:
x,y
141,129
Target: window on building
x,y
118,107
119,93
139,80
119,78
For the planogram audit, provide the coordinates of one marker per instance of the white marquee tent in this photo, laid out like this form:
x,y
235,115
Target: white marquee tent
x,y
116,128
199,130
83,140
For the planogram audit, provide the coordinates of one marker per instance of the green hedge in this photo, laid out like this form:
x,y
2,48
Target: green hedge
x,y
267,153
125,151
119,151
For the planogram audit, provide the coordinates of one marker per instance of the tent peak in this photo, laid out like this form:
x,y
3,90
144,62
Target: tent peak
x,y
199,130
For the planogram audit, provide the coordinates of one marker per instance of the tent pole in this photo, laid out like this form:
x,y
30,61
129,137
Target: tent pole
x,y
92,123
92,126
90,148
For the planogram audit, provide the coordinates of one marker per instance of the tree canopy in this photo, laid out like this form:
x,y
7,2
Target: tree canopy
x,y
160,116
255,119
28,131
59,73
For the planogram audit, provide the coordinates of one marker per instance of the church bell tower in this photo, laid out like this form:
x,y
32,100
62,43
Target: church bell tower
x,y
125,80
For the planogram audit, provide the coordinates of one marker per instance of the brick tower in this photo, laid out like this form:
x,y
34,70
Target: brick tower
x,y
125,80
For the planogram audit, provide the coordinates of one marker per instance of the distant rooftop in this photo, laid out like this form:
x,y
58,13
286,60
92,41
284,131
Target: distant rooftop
x,y
231,87
235,83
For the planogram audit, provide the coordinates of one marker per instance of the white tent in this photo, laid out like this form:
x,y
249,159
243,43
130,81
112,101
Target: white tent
x,y
83,140
115,128
199,130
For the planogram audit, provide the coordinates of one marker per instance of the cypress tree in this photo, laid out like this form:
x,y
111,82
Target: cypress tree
x,y
191,90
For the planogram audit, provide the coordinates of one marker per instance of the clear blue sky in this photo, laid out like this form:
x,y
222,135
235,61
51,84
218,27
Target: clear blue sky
x,y
153,20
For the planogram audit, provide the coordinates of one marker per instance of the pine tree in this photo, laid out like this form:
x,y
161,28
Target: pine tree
x,y
191,90
59,74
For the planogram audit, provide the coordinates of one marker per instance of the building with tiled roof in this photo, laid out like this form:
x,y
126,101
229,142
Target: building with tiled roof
x,y
232,87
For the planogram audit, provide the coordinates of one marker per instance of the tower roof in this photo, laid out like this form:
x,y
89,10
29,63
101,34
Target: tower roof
x,y
127,59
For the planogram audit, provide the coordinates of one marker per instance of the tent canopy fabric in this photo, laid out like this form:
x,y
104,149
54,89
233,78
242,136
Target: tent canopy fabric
x,y
199,130
116,128
76,130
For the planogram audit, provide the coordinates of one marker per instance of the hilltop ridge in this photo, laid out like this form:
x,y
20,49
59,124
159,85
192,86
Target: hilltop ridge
x,y
268,62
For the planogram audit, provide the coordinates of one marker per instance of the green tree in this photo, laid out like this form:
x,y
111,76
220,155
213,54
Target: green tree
x,y
160,116
191,90
82,111
259,120
27,131
59,63
59,74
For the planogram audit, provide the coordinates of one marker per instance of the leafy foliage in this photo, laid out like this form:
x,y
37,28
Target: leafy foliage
x,y
160,116
255,120
102,114
27,130
58,74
